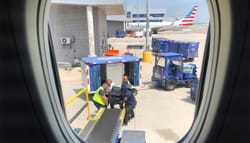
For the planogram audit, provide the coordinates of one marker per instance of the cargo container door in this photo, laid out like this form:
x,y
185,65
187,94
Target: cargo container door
x,y
136,74
133,72
193,49
95,77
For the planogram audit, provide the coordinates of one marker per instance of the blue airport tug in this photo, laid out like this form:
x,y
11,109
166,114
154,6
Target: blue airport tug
x,y
170,71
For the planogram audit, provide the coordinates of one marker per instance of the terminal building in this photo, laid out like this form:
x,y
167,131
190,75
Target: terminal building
x,y
134,20
116,23
79,27
156,15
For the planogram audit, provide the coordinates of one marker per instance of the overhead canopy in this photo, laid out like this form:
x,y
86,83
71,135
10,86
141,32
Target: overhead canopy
x,y
111,7
110,59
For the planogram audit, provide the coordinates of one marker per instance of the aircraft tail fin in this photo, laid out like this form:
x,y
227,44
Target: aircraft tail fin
x,y
188,20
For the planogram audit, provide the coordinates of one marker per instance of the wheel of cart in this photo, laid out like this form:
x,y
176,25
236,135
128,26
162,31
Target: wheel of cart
x,y
170,84
190,59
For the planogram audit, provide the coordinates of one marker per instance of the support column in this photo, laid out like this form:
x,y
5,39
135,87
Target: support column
x,y
124,26
147,55
147,26
90,23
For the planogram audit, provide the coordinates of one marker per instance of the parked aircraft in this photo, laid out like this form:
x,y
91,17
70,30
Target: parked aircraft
x,y
158,25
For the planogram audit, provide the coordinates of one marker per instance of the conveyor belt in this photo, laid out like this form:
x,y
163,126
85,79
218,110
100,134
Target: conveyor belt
x,y
87,129
104,130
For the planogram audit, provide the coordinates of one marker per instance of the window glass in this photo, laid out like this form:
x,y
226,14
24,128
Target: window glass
x,y
128,14
154,20
157,15
107,41
160,62
177,62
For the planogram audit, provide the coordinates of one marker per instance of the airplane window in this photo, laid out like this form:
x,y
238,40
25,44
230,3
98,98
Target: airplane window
x,y
109,76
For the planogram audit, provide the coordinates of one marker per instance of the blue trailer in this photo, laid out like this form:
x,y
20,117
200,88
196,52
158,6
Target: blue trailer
x,y
97,69
169,71
160,45
173,46
189,50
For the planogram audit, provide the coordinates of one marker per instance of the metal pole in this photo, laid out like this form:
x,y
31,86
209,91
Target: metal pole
x,y
138,18
90,24
147,26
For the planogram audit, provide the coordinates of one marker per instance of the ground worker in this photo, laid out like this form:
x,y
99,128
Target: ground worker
x,y
109,90
99,98
130,103
173,68
125,82
110,85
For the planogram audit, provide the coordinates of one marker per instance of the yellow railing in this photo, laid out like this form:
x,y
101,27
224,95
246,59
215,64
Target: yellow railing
x,y
97,116
84,90
67,102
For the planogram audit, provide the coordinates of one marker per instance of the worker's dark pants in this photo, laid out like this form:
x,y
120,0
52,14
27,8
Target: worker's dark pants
x,y
98,106
129,113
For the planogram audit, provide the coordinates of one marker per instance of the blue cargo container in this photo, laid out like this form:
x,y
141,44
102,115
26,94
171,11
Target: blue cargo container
x,y
163,46
95,70
174,46
193,48
182,48
189,50
120,34
153,43
160,45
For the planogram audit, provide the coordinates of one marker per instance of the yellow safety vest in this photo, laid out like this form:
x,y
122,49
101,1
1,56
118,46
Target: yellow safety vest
x,y
97,97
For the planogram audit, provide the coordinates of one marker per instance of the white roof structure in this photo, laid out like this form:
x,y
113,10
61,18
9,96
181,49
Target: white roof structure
x,y
111,7
132,12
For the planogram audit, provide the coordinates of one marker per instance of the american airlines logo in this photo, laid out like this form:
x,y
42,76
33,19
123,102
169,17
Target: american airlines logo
x,y
189,19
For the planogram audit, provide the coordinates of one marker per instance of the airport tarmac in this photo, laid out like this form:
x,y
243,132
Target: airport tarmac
x,y
165,116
